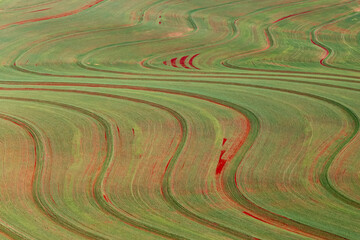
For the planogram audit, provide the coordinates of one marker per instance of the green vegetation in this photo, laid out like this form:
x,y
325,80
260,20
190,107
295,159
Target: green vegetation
x,y
179,119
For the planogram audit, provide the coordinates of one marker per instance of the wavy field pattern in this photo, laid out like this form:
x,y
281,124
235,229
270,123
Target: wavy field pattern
x,y
154,119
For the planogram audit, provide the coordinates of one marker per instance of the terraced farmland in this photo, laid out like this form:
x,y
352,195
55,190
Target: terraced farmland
x,y
152,119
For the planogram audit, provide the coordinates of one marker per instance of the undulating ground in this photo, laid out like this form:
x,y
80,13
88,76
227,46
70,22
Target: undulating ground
x,y
179,119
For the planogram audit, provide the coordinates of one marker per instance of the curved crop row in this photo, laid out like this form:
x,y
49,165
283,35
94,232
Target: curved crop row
x,y
179,119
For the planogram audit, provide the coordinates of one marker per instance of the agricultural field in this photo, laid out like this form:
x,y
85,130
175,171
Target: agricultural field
x,y
179,119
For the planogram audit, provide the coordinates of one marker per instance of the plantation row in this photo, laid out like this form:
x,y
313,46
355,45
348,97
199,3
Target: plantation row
x,y
179,119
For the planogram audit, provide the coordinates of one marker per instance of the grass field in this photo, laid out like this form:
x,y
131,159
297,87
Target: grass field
x,y
154,119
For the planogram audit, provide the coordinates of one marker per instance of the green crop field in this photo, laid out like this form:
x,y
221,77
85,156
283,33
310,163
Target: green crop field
x,y
179,119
